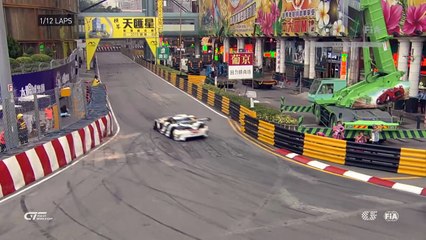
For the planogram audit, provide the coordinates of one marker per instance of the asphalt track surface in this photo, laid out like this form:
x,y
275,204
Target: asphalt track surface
x,y
142,185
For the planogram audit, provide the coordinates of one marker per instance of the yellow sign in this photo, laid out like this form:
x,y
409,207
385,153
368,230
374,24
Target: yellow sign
x,y
91,46
120,27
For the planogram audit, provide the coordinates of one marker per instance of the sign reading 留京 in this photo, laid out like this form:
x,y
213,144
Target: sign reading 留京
x,y
163,53
98,28
240,66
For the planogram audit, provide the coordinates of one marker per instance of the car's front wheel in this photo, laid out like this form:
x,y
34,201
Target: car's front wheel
x,y
155,126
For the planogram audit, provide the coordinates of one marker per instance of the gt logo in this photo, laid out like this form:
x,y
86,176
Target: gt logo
x,y
40,216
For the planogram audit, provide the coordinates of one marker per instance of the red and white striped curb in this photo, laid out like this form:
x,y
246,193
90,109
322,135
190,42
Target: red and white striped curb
x,y
352,174
29,166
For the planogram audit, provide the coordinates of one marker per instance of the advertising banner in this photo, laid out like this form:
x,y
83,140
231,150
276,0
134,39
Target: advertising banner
x,y
378,96
207,17
322,17
242,16
240,66
39,82
120,27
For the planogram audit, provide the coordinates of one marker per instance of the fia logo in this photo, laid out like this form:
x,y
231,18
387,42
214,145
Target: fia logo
x,y
391,216
369,215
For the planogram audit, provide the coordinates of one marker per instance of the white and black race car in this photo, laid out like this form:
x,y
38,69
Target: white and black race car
x,y
182,127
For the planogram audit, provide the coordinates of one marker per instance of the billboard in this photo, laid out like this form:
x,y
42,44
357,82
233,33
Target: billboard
x,y
120,27
242,16
39,82
240,66
98,28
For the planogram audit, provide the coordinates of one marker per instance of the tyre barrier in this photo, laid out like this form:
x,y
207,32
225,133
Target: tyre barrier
x,y
27,167
397,160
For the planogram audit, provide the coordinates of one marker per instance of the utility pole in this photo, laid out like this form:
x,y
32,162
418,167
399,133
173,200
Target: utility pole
x,y
180,39
8,101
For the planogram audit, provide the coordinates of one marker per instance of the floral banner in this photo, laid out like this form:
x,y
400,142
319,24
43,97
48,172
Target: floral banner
x,y
300,17
405,17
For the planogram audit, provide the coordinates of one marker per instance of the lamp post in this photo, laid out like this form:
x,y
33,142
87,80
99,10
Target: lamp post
x,y
180,38
9,114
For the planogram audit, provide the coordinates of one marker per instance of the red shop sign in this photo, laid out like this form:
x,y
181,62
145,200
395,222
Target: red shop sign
x,y
240,59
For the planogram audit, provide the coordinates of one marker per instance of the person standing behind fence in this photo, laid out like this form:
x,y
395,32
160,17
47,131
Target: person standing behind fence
x,y
361,138
375,135
422,100
2,142
48,114
95,81
339,131
22,129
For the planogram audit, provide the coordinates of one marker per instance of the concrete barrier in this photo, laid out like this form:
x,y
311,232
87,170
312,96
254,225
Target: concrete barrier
x,y
24,168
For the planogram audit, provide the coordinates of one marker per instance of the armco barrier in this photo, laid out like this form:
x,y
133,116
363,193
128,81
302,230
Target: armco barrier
x,y
266,132
288,139
406,161
225,105
251,127
412,161
324,148
372,156
29,166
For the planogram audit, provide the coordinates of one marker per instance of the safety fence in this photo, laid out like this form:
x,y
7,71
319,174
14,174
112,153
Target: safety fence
x,y
38,115
398,160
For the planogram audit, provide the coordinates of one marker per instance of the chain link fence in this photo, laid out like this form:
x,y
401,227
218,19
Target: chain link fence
x,y
39,115
20,68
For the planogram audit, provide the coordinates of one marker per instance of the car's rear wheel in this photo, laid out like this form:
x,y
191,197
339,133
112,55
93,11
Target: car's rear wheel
x,y
172,134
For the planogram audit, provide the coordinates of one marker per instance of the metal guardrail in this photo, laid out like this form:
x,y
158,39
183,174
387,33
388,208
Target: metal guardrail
x,y
398,160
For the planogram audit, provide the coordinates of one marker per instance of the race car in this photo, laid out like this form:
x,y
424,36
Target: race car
x,y
182,127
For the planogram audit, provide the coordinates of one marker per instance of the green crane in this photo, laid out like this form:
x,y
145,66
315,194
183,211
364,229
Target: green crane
x,y
357,106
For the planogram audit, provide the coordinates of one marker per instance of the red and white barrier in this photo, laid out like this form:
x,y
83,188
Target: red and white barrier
x,y
29,166
351,174
108,49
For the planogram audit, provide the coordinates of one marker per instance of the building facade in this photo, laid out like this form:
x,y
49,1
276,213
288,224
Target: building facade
x,y
317,38
22,24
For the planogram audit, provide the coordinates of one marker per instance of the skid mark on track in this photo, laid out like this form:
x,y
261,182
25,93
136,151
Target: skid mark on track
x,y
149,216
81,224
44,232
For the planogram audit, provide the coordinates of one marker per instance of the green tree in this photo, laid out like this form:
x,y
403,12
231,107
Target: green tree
x,y
30,51
15,49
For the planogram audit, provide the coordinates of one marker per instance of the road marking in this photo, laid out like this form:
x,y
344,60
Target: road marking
x,y
35,184
400,178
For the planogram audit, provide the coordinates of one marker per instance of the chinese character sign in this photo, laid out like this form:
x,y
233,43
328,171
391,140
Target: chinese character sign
x,y
240,66
241,59
121,27
163,53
